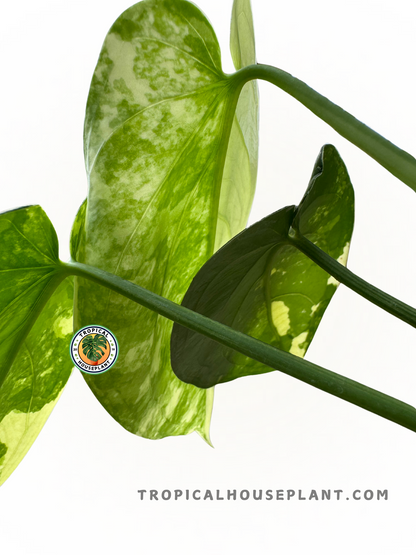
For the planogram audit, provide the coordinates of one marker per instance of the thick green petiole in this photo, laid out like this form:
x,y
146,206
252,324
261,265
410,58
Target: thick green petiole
x,y
344,388
378,297
397,161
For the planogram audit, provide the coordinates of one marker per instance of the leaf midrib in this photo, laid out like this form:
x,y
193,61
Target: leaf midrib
x,y
201,123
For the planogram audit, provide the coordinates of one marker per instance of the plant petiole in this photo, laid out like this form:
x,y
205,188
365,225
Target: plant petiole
x,y
397,161
312,374
378,297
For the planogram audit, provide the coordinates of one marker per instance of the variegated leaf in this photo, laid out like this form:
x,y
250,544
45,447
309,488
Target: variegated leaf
x,y
260,284
35,330
158,123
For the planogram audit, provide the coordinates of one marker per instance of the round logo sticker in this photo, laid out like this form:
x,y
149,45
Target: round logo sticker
x,y
94,349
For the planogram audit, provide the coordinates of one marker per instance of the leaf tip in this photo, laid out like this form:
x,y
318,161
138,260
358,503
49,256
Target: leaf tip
x,y
206,437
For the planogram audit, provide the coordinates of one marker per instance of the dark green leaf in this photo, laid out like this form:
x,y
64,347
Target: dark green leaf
x,y
260,284
35,330
163,195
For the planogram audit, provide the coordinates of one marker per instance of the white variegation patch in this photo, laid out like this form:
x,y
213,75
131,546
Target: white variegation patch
x,y
314,308
280,317
342,259
63,327
297,341
172,403
18,431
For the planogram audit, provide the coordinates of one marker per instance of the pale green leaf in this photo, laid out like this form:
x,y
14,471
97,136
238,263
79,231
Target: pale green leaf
x,y
240,170
35,330
159,117
242,46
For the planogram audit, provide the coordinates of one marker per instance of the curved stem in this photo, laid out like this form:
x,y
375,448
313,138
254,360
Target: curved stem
x,y
394,159
344,388
338,271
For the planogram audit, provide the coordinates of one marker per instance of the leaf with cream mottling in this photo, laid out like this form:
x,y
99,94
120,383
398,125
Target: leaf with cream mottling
x,y
163,195
35,330
260,284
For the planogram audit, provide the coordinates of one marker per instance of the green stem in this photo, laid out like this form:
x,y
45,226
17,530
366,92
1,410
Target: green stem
x,y
395,160
376,296
344,388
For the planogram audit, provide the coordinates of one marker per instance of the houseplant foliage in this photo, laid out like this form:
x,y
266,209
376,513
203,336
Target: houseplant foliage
x,y
260,284
164,194
36,327
171,156
160,93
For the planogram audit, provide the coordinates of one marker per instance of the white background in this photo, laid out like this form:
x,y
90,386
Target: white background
x,y
76,490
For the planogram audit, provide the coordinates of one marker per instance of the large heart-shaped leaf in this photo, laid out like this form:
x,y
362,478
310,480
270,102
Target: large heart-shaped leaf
x,y
35,330
159,117
260,284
